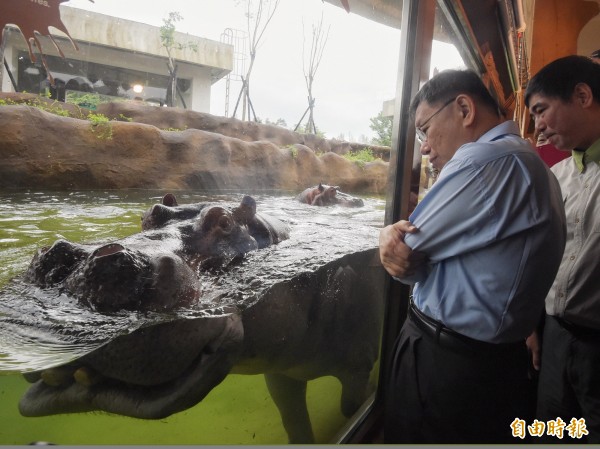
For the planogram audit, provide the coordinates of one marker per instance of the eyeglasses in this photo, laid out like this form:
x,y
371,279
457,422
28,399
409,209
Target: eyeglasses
x,y
421,135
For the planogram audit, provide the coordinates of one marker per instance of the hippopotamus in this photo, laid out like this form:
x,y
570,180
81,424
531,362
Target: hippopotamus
x,y
324,320
326,195
157,269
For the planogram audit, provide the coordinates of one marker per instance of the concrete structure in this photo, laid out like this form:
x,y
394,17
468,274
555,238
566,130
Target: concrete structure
x,y
114,56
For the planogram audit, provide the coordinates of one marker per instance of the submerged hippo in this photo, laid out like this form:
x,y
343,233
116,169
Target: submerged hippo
x,y
315,322
325,195
159,268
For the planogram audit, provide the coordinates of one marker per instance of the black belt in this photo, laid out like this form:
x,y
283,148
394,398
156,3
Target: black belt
x,y
453,340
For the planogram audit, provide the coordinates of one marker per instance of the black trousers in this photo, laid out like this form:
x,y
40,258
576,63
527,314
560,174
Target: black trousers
x,y
440,395
569,383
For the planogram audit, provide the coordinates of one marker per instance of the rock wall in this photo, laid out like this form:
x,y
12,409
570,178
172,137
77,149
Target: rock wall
x,y
176,118
42,150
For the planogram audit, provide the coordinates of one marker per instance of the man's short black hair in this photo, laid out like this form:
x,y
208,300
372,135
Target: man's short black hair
x,y
559,78
595,54
451,83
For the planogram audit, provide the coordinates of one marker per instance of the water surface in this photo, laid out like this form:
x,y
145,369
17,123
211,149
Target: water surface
x,y
239,410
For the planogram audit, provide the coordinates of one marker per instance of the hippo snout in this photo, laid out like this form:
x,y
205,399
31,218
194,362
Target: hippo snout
x,y
217,220
117,278
111,278
51,265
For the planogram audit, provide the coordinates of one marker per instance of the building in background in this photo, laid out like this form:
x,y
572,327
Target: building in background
x,y
116,58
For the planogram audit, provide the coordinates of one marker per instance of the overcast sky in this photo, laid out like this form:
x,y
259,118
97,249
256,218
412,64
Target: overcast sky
x,y
357,73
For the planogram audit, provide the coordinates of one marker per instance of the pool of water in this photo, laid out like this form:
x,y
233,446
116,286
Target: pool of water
x,y
239,410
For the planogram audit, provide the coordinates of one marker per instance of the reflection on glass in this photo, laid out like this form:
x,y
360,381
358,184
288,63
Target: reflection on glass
x,y
427,177
444,56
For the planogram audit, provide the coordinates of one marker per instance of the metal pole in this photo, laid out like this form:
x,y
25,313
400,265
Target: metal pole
x,y
10,75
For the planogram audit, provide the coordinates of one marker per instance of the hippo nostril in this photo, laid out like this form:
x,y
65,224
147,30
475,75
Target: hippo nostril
x,y
226,224
107,250
213,218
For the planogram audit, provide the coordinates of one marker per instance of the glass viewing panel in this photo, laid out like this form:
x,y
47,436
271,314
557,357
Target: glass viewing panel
x,y
307,308
444,55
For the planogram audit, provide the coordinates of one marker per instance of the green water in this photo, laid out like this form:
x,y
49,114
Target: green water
x,y
238,411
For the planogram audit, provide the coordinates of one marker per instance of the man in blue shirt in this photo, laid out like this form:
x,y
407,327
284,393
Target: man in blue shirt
x,y
481,249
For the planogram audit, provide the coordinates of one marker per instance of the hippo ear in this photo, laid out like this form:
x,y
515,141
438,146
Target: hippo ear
x,y
169,200
157,216
246,211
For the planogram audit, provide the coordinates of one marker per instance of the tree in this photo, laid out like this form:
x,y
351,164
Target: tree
x,y
279,122
310,67
382,125
167,40
257,21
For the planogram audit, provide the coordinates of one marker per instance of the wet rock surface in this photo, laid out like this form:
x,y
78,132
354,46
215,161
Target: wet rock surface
x,y
168,148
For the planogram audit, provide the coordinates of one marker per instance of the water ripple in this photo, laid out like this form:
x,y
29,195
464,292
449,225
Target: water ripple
x,y
39,329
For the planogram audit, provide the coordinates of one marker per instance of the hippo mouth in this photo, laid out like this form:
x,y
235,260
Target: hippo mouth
x,y
129,378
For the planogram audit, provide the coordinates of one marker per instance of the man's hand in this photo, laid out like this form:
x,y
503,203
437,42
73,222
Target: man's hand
x,y
397,257
533,345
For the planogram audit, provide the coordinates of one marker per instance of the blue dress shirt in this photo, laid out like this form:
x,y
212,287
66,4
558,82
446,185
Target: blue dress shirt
x,y
493,228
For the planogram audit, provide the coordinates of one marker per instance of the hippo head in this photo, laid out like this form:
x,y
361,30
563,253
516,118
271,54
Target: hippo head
x,y
168,211
116,276
150,373
217,234
161,267
217,237
324,195
159,368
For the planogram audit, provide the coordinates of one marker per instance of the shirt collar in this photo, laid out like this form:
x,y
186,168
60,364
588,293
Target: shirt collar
x,y
592,154
507,127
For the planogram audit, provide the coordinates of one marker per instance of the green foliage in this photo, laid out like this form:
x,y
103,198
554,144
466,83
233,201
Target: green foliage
x,y
279,122
364,155
90,100
294,152
100,125
168,41
83,100
292,149
382,125
54,108
124,118
167,34
360,157
167,31
175,129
